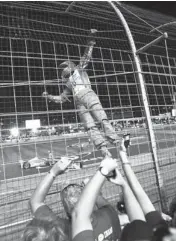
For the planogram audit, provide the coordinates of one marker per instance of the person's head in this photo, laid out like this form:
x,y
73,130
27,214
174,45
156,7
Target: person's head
x,y
41,230
70,196
68,69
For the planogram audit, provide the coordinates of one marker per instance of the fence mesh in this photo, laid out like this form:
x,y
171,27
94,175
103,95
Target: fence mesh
x,y
35,38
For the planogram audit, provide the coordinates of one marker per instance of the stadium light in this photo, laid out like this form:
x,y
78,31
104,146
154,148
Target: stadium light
x,y
14,132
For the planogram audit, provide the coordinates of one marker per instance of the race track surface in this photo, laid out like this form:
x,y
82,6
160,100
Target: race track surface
x,y
12,153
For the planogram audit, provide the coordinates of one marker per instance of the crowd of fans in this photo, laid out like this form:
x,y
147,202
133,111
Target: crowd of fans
x,y
44,132
89,215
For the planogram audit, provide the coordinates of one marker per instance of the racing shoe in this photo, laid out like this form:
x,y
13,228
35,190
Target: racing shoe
x,y
110,133
96,137
105,152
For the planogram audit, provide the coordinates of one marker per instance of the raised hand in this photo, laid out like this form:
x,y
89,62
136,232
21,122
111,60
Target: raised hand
x,y
57,99
109,163
166,217
122,146
61,165
125,143
45,94
117,179
123,153
51,98
93,30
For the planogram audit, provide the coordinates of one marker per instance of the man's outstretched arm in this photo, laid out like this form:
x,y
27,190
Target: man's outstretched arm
x,y
42,189
89,49
63,97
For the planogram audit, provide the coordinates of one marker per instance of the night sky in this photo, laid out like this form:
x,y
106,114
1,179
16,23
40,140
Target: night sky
x,y
165,7
35,37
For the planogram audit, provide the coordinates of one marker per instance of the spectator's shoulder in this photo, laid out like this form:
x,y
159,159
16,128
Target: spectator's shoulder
x,y
86,235
136,230
155,219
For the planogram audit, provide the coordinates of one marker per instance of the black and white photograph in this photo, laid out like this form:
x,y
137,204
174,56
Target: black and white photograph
x,y
88,120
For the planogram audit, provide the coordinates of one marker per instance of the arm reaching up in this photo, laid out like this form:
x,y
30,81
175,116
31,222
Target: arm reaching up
x,y
81,216
101,201
153,217
89,49
136,187
42,189
137,229
132,206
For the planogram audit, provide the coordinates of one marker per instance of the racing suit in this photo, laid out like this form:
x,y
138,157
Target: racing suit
x,y
88,103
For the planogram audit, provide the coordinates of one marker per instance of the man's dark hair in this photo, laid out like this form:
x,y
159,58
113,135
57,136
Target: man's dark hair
x,y
42,230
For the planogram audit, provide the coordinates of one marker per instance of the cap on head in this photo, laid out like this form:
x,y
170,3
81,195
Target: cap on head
x,y
68,67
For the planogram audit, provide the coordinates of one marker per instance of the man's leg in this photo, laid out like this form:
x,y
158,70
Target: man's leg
x,y
101,117
92,102
94,133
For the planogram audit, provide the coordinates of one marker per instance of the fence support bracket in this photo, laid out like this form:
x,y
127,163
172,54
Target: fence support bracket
x,y
163,36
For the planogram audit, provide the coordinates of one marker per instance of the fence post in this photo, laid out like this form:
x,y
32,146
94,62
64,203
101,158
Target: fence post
x,y
136,59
